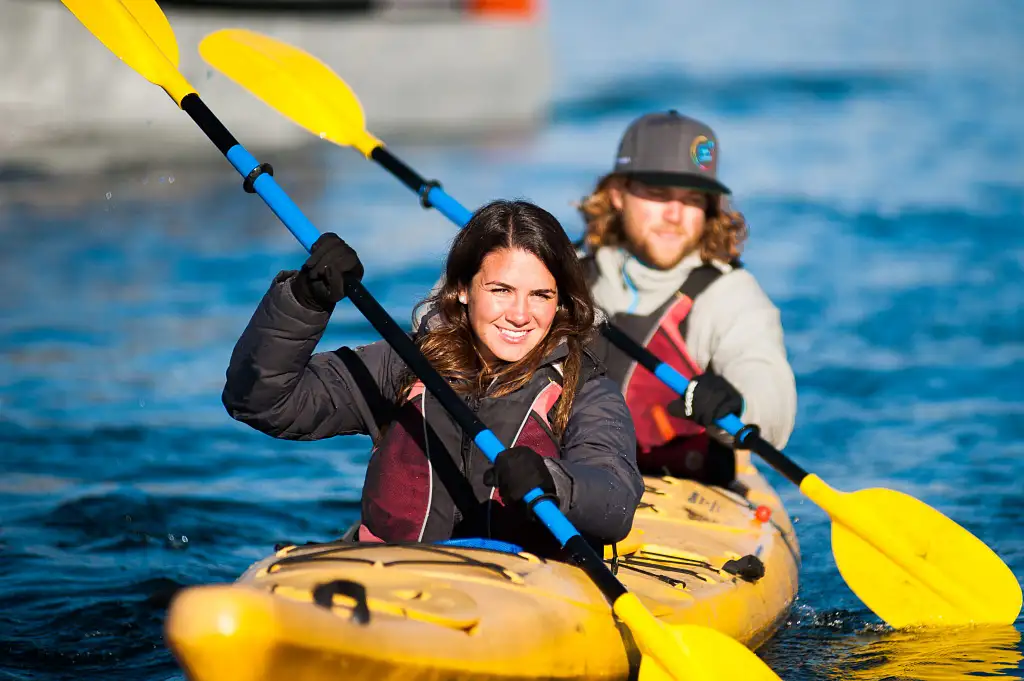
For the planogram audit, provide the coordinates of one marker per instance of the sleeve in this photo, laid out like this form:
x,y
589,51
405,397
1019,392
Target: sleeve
x,y
597,480
277,385
747,348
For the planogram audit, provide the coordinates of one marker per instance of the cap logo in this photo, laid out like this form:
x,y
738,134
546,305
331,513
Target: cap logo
x,y
702,151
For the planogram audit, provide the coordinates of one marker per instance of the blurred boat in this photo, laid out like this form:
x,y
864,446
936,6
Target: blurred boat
x,y
420,66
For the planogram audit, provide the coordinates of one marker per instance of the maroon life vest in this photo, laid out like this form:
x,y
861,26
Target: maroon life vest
x,y
665,443
424,481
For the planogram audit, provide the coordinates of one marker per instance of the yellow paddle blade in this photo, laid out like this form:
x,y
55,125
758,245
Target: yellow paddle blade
x,y
912,565
294,83
140,35
687,652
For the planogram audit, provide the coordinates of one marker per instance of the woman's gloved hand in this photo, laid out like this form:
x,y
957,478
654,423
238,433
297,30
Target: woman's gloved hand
x,y
708,398
516,471
319,285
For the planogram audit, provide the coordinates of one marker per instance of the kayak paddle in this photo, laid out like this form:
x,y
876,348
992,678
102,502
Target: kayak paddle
x,y
906,561
139,34
909,563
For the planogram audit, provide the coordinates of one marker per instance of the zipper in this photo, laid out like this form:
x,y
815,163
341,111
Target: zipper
x,y
630,287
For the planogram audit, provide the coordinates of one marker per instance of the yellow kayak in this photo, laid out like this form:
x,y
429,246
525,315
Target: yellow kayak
x,y
724,558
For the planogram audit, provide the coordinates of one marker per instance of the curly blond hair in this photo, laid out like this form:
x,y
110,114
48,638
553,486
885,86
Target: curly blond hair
x,y
725,229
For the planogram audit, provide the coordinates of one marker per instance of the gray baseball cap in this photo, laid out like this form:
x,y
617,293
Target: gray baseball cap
x,y
667,148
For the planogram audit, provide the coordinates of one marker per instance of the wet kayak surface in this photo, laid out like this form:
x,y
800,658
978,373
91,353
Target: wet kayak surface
x,y
876,156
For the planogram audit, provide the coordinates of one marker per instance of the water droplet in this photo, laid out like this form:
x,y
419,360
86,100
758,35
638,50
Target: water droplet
x,y
170,178
184,539
109,195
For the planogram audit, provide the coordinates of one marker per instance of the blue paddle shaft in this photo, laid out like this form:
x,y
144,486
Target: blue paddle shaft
x,y
449,207
275,197
675,380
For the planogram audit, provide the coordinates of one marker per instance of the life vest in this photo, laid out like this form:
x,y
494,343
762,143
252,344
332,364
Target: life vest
x,y
424,481
665,443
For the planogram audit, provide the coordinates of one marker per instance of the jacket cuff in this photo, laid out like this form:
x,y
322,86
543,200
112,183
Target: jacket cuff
x,y
285,301
563,484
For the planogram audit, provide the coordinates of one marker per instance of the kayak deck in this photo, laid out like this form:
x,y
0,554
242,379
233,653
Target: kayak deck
x,y
696,555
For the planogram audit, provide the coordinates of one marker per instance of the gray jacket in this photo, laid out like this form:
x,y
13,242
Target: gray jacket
x,y
279,386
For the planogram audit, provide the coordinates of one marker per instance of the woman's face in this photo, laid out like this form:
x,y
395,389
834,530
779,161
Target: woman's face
x,y
511,302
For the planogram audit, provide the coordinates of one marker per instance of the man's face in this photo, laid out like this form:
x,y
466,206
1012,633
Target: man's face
x,y
662,224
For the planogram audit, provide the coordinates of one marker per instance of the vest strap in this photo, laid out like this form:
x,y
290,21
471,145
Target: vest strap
x,y
699,279
696,283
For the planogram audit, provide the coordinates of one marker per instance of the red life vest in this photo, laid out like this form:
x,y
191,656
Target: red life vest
x,y
424,481
665,443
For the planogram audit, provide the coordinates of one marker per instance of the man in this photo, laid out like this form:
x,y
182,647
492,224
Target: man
x,y
662,255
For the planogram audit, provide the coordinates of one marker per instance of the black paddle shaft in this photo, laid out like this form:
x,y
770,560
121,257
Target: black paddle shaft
x,y
411,355
409,177
639,353
208,123
750,439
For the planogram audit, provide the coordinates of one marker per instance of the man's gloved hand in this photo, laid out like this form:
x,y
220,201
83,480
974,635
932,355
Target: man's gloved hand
x,y
708,398
319,285
516,471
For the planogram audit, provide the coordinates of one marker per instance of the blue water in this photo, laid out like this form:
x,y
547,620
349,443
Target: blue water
x,y
875,148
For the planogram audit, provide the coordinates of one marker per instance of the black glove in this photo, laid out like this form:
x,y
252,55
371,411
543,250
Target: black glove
x,y
319,285
708,398
516,471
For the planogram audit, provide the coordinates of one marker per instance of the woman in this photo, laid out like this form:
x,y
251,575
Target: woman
x,y
507,329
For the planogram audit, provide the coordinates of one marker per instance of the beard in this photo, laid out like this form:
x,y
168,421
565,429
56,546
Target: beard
x,y
661,256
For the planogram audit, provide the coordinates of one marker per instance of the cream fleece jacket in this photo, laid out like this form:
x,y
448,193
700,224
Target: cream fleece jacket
x,y
733,327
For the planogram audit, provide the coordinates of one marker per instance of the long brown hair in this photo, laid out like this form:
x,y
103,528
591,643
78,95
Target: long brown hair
x,y
725,229
450,344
